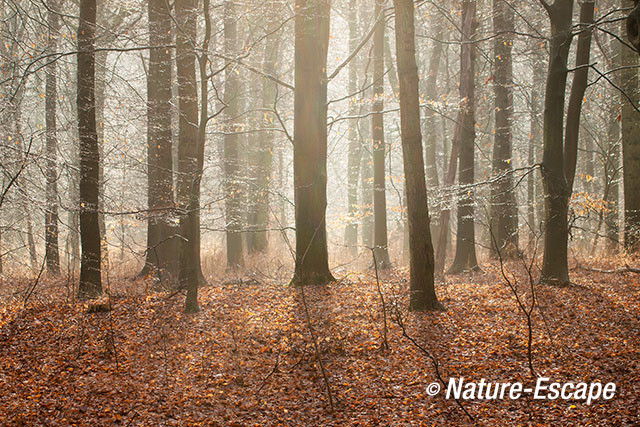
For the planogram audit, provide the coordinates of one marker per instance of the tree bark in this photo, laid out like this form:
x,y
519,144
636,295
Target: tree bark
x,y
630,147
161,257
90,268
504,210
555,268
465,259
310,141
380,247
421,264
355,147
233,196
188,185
52,253
578,88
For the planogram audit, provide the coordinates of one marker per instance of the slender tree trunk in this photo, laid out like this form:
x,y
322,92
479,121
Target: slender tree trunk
x,y
578,88
90,269
421,265
355,147
377,125
535,144
161,244
445,214
52,253
612,178
100,91
366,181
555,268
504,210
431,98
233,196
465,258
264,160
310,141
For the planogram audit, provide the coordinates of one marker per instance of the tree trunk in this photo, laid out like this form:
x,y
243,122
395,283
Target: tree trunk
x,y
555,268
630,147
52,253
465,259
188,149
90,269
421,264
504,210
355,147
366,182
161,243
578,88
377,125
233,196
310,141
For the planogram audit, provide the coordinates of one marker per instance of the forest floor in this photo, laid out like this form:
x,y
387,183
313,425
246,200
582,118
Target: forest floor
x,y
248,357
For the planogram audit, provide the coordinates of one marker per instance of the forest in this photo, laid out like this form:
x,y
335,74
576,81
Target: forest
x,y
319,212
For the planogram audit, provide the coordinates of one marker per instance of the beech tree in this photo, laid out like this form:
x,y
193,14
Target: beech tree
x,y
377,126
504,210
51,99
421,258
465,258
90,268
161,243
310,142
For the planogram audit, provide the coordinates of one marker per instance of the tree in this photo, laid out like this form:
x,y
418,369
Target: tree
x,y
52,254
630,118
188,151
355,147
560,152
465,258
380,248
90,269
310,141
161,244
555,268
233,188
504,210
421,263
263,154
633,24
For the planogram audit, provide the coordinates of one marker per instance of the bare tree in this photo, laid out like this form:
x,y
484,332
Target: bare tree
x,y
421,265
310,141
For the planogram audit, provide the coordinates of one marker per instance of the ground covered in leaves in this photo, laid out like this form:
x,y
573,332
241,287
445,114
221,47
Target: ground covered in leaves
x,y
248,357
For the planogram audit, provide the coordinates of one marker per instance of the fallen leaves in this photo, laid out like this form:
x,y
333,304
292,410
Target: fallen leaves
x,y
247,359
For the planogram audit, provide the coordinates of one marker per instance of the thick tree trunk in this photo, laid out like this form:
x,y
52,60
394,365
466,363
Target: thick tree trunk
x,y
161,244
630,148
555,268
310,141
465,259
188,149
233,196
421,265
380,248
52,253
90,269
504,210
